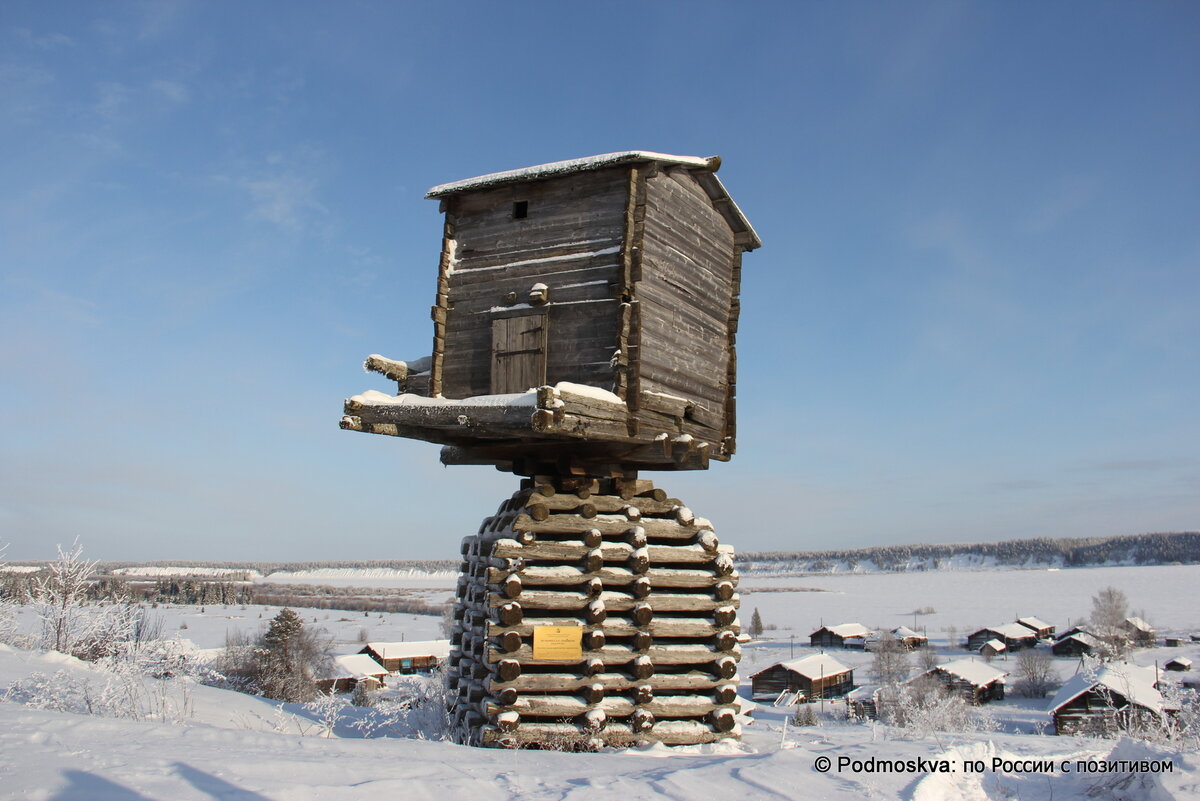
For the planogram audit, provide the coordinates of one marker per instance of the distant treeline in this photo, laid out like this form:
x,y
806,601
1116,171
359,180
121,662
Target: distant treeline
x,y
1139,549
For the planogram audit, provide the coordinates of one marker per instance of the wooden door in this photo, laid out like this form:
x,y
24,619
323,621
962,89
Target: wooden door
x,y
518,353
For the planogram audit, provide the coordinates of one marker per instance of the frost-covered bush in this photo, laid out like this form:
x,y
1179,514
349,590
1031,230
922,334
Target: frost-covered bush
x,y
926,707
120,694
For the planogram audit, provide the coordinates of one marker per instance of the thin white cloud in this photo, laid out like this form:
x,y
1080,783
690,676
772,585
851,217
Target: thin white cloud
x,y
172,90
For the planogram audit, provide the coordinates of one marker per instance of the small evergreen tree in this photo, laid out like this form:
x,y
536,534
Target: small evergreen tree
x,y
289,659
756,624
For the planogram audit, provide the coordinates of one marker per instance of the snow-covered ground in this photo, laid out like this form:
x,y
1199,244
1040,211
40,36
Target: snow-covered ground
x,y
197,742
221,744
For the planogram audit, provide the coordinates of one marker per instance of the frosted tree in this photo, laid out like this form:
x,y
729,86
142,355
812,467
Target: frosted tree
x,y
889,660
60,598
1110,608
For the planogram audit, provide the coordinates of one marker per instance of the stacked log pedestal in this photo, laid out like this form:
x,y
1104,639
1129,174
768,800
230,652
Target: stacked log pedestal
x,y
653,592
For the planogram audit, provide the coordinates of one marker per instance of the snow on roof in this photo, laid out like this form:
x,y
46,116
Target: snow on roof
x,y
1083,637
977,673
905,631
1181,660
556,168
355,666
705,174
995,645
848,630
1012,631
407,650
1131,681
1139,624
1034,623
817,666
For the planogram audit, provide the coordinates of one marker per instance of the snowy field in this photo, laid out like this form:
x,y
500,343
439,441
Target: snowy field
x,y
197,742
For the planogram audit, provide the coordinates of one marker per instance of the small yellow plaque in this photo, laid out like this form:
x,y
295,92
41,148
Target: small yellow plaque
x,y
558,642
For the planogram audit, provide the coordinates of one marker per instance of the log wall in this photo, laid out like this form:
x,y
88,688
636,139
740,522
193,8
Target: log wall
x,y
652,593
570,240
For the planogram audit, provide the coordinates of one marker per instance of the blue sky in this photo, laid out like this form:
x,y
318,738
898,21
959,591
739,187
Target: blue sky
x,y
974,316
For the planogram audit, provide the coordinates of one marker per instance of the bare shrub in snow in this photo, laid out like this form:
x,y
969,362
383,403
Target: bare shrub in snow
x,y
1034,674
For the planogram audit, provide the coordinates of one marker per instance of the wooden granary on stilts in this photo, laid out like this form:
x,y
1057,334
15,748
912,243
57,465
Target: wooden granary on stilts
x,y
584,331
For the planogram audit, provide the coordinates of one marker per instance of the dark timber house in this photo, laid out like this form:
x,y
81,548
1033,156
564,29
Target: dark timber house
x,y
976,682
618,272
1120,696
584,331
816,676
846,635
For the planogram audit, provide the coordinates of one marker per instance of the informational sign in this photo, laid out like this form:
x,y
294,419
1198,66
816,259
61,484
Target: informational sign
x,y
558,642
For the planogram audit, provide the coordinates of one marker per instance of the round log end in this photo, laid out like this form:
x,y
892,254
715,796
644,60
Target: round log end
x,y
538,511
641,720
509,669
722,719
640,587
510,642
592,538
726,694
723,590
643,614
586,510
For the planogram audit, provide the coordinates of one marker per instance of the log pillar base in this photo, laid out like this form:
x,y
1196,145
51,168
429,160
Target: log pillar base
x,y
652,592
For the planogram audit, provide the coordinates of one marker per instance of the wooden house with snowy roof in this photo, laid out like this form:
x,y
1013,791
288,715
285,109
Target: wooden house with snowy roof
x,y
845,635
1041,628
408,657
584,329
817,676
1118,697
977,682
1013,635
586,313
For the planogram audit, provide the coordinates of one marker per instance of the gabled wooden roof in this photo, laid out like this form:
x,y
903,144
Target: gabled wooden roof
x,y
702,169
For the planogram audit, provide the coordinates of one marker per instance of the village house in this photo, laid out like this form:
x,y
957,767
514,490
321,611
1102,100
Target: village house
x,y
992,649
409,657
1120,696
910,639
1013,635
348,671
816,676
1041,628
846,635
1140,632
1179,663
1078,643
977,682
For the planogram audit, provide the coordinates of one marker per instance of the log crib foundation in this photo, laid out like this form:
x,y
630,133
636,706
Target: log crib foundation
x,y
590,613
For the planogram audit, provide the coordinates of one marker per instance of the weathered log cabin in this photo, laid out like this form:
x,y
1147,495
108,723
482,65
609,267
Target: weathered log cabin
x,y
1013,635
611,282
910,639
992,649
1120,697
817,676
976,682
846,635
1140,632
585,324
348,671
1041,628
1179,664
1077,643
409,657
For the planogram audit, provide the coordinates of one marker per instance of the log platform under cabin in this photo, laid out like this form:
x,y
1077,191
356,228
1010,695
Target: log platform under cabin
x,y
585,327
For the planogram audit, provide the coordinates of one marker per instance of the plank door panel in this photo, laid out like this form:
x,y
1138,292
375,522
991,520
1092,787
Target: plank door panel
x,y
518,353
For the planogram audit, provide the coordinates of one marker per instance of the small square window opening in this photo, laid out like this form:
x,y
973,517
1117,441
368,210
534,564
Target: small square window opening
x,y
520,209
